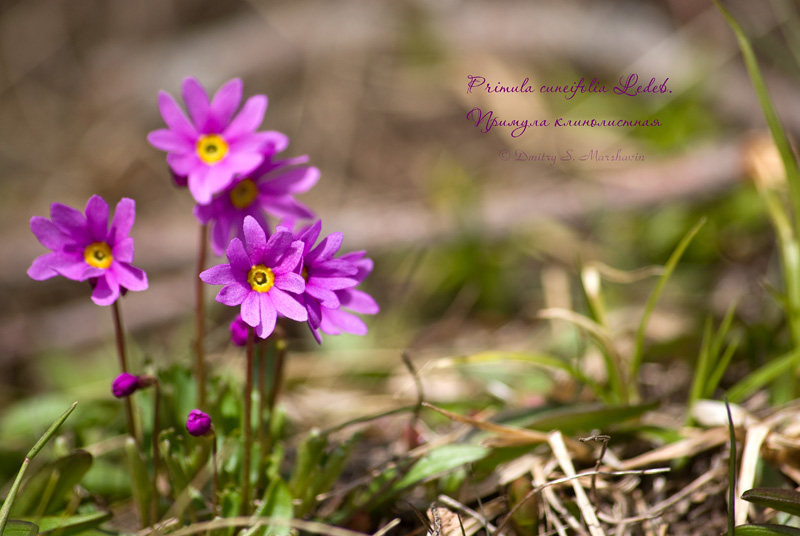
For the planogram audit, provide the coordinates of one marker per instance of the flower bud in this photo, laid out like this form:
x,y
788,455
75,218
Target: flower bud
x,y
239,331
125,385
198,423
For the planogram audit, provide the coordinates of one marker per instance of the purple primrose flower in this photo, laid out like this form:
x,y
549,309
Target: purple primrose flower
x,y
269,189
330,282
125,385
85,248
199,423
261,277
213,146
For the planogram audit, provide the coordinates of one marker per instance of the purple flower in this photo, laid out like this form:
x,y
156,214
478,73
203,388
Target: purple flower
x,y
239,331
337,321
214,146
260,277
125,385
330,282
199,423
269,189
85,248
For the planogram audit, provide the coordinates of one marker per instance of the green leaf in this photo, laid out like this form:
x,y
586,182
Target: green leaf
x,y
20,528
763,375
71,525
440,460
277,503
140,480
783,500
766,530
309,455
650,306
47,490
582,418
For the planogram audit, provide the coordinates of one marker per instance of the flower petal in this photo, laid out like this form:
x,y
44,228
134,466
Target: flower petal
x,y
97,218
255,240
71,222
326,249
224,103
196,102
237,256
233,294
358,301
268,314
251,310
333,283
174,117
129,277
310,235
48,234
198,185
124,216
290,282
220,274
242,163
106,291
170,141
184,164
287,305
248,119
284,207
291,181
335,320
256,141
123,250
291,260
326,298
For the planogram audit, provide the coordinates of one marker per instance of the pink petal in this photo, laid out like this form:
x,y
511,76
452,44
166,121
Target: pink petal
x,y
295,181
310,235
170,141
124,216
237,256
275,248
218,275
251,310
71,222
198,185
260,141
290,282
123,250
196,102
225,102
343,321
359,302
287,305
48,234
174,117
42,267
184,164
97,218
334,283
326,297
284,207
255,240
130,277
233,294
268,314
242,163
106,291
247,120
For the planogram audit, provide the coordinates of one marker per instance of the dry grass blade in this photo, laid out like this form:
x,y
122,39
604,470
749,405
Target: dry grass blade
x,y
689,447
747,473
518,435
230,522
556,441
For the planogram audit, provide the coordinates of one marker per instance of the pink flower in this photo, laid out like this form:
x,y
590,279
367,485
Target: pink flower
x,y
213,146
85,248
260,276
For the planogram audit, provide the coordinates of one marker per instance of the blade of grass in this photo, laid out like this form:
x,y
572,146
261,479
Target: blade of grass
x,y
731,473
762,376
701,371
669,268
4,511
722,366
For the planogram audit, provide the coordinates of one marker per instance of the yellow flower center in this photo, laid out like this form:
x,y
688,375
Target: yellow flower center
x,y
260,278
211,148
98,254
304,273
244,193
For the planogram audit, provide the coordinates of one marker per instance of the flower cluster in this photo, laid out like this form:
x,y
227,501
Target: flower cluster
x,y
239,182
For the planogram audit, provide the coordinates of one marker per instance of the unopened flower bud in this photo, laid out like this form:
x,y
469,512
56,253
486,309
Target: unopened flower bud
x,y
198,423
125,385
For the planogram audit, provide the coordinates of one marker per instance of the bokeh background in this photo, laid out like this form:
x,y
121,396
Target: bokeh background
x,y
468,246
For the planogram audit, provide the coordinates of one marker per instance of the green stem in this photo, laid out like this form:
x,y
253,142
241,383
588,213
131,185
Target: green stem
x,y
123,365
6,509
248,431
200,326
156,427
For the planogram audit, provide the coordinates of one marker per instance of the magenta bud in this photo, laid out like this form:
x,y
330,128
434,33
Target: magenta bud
x,y
239,331
198,423
125,385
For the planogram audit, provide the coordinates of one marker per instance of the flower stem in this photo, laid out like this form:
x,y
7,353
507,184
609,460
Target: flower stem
x,y
200,365
277,376
248,432
215,491
156,426
262,394
123,365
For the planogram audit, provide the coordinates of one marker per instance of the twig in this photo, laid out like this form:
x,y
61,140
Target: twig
x,y
604,440
420,393
469,511
386,528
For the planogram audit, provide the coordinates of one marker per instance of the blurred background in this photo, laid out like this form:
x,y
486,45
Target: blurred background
x,y
468,245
